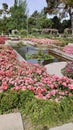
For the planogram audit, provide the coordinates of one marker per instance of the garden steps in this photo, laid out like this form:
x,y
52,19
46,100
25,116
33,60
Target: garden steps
x,y
68,126
12,121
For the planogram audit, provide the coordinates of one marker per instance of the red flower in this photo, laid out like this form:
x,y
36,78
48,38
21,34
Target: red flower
x,y
4,86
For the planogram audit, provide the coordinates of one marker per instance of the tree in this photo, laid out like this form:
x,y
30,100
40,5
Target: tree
x,y
56,23
18,14
53,6
4,12
46,23
37,19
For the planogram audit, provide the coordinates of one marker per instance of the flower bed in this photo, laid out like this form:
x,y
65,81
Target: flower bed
x,y
3,39
68,49
26,81
17,76
44,41
68,70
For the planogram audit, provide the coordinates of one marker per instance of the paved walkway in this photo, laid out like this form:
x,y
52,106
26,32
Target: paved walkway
x,y
55,68
68,126
11,121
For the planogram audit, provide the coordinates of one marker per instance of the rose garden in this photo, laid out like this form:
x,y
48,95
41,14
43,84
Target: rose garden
x,y
46,99
36,63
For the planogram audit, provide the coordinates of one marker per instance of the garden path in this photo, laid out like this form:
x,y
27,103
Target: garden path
x,y
55,68
68,126
12,121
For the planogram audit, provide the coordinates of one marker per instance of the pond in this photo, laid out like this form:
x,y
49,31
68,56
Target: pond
x,y
24,50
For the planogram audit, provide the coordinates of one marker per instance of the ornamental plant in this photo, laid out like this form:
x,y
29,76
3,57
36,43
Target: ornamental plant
x,y
68,70
3,39
44,41
15,76
68,49
41,113
40,56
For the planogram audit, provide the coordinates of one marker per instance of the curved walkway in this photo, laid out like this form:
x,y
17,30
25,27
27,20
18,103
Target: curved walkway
x,y
55,68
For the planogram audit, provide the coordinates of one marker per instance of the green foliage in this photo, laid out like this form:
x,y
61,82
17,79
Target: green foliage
x,y
52,8
23,32
18,15
40,56
8,100
68,70
41,112
24,97
46,23
56,23
16,19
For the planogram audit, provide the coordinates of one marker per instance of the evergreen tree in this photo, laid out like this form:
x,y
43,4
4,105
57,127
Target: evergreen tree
x,y
53,6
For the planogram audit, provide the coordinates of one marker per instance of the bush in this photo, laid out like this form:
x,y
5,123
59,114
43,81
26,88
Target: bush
x,y
3,39
40,56
24,96
23,33
68,70
9,100
41,112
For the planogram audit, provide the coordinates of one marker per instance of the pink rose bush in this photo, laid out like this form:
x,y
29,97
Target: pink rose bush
x,y
17,76
3,39
68,70
43,41
68,49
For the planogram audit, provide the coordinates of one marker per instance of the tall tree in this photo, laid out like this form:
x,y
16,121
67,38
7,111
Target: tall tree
x,y
53,6
4,12
18,14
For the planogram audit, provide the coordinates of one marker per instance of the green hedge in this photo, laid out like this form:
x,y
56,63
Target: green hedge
x,y
41,112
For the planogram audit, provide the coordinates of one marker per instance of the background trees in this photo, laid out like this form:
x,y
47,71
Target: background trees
x,y
18,14
14,17
4,12
53,6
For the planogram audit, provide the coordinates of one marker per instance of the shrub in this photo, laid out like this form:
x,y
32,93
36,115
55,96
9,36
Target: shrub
x,y
41,112
68,70
40,56
25,96
3,39
68,49
23,33
9,100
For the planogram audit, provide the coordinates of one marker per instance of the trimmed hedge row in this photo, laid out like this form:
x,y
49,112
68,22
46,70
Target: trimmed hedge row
x,y
41,112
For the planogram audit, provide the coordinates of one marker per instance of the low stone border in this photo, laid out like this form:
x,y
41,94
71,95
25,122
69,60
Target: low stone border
x,y
68,126
11,121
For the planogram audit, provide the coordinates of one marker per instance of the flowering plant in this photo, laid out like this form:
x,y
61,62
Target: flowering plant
x,y
68,49
17,76
3,39
43,41
68,70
